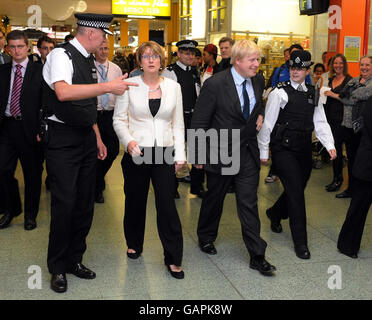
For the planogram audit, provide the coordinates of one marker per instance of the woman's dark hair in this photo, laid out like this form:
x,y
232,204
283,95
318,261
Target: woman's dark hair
x,y
332,70
319,65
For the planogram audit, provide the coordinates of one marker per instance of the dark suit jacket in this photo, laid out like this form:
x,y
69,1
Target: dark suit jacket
x,y
6,57
30,97
362,168
218,107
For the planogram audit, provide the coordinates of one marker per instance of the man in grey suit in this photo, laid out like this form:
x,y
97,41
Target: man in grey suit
x,y
231,101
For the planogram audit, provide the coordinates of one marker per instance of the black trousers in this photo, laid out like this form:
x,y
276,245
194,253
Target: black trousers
x,y
14,146
352,141
294,169
111,141
246,183
71,159
197,179
136,186
338,132
351,233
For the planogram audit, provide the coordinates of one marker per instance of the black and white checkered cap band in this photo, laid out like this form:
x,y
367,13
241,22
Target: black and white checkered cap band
x,y
304,64
187,46
94,24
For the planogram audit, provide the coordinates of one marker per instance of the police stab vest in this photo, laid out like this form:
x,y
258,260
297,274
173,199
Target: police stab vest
x,y
81,113
187,81
294,126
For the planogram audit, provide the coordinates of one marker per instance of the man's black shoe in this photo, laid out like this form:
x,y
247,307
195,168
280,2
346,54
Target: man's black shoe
x,y
30,224
260,264
275,222
100,198
186,179
5,220
344,195
200,193
81,271
208,248
302,251
59,282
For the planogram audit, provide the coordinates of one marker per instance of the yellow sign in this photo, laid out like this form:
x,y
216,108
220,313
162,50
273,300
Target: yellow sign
x,y
158,8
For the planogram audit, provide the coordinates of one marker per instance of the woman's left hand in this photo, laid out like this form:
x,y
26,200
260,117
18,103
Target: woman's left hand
x,y
332,154
102,151
178,165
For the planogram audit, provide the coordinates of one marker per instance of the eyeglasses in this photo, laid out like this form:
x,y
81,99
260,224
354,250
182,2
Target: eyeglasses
x,y
153,57
20,46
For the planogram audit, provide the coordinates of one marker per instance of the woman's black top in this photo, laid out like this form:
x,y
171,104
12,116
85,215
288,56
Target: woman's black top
x,y
334,109
154,105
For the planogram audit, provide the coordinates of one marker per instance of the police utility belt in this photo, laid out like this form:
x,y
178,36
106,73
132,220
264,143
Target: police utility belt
x,y
188,112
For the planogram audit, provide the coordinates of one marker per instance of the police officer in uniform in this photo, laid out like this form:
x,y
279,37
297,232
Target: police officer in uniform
x,y
73,140
189,79
291,114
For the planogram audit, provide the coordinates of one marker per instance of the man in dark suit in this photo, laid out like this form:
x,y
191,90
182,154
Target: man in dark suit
x,y
352,230
232,101
20,100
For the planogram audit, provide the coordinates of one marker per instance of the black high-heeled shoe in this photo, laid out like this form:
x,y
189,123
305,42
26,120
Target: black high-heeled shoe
x,y
175,274
133,255
335,186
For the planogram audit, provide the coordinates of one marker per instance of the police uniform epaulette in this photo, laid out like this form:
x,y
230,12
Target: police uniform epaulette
x,y
171,67
283,84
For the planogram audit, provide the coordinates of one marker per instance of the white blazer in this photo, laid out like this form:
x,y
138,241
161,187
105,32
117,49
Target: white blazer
x,y
132,119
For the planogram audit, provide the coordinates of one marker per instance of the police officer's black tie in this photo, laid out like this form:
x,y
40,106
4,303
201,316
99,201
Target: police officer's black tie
x,y
246,101
300,88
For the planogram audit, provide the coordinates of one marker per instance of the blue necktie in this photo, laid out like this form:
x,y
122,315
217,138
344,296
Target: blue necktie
x,y
246,104
105,97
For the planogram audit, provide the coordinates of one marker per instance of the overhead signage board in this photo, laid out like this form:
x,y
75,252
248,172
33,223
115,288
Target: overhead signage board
x,y
156,8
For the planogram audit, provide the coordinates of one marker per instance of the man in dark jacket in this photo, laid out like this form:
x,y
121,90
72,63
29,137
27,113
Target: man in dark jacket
x,y
231,101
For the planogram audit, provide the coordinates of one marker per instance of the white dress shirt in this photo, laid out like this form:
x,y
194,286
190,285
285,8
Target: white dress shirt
x,y
277,100
12,75
112,71
58,67
133,120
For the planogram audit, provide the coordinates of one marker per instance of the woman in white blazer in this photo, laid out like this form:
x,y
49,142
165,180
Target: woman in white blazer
x,y
148,120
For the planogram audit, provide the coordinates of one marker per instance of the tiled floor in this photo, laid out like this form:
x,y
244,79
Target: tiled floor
x,y
224,276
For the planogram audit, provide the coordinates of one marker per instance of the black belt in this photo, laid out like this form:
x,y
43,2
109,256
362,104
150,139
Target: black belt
x,y
17,118
188,111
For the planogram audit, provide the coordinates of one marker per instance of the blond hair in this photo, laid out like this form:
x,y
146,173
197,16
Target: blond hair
x,y
243,48
155,48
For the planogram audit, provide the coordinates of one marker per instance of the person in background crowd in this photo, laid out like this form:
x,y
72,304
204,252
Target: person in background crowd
x,y
351,233
334,110
291,115
21,95
137,69
225,45
70,81
121,60
197,62
132,61
148,120
189,80
106,71
286,54
232,99
354,96
4,57
319,69
324,58
211,66
69,37
45,45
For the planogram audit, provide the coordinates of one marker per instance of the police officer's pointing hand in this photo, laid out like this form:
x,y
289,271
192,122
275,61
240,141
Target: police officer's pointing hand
x,y
118,86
